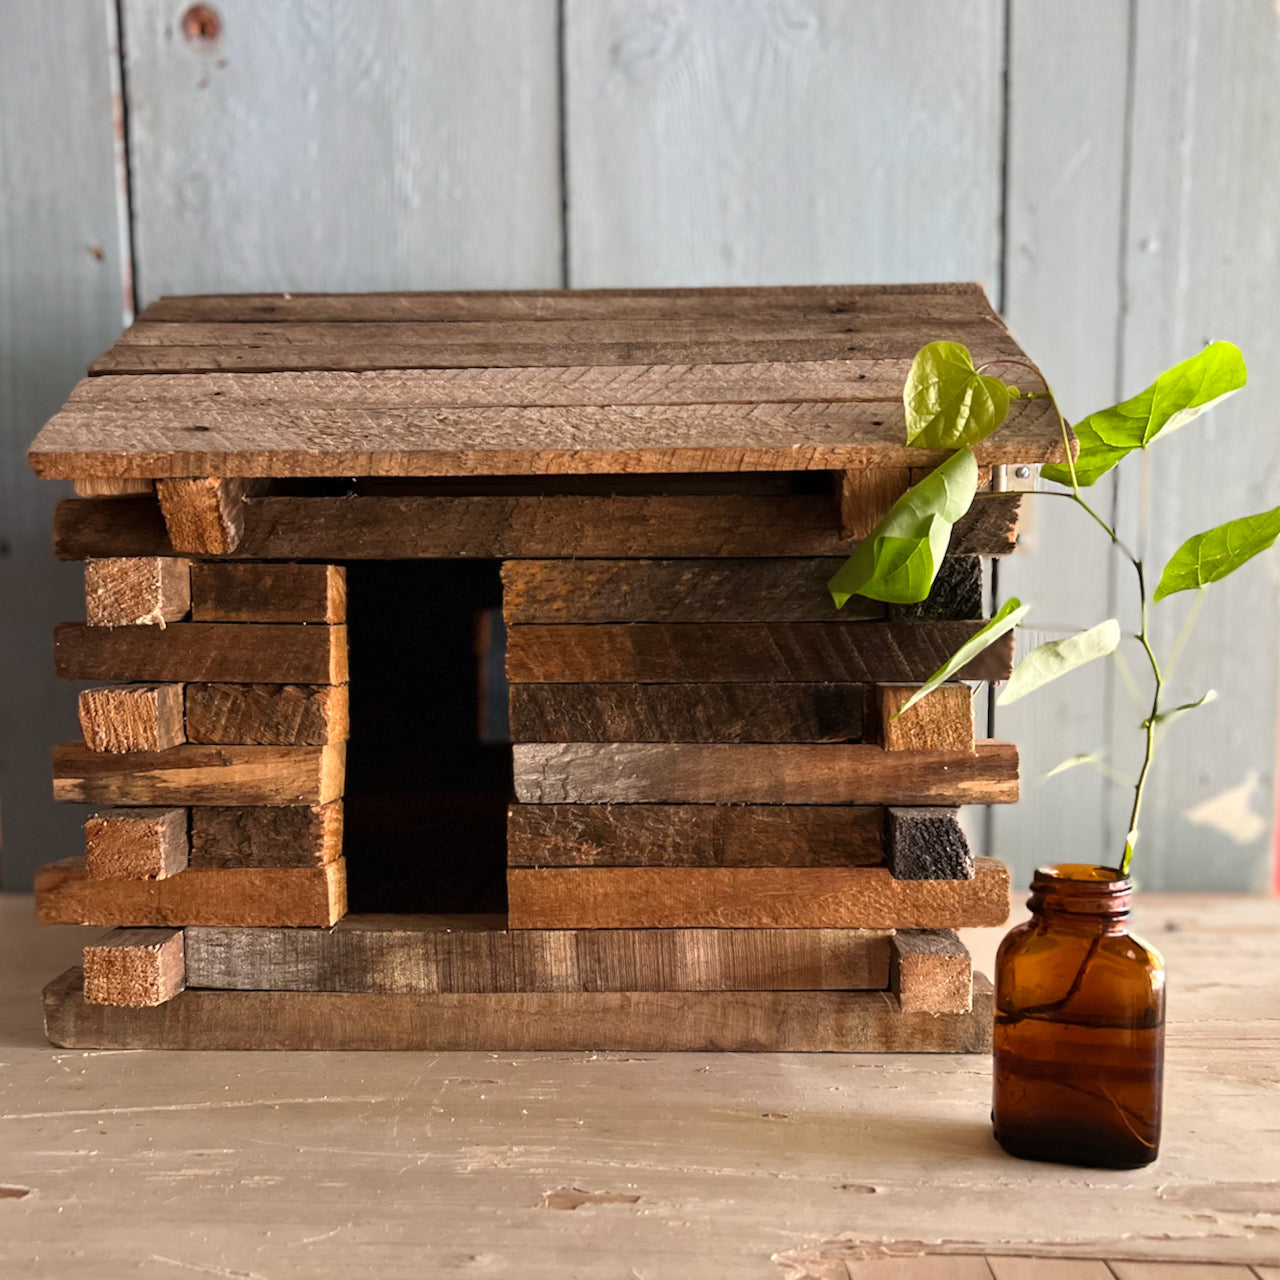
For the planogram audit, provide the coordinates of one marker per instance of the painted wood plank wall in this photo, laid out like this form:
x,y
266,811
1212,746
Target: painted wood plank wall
x,y
1107,169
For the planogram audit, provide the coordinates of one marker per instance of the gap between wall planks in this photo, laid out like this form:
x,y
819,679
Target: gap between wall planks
x,y
638,1021
559,525
752,898
391,953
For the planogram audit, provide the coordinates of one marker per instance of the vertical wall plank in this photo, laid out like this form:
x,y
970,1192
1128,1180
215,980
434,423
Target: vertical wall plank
x,y
1203,262
60,303
1065,203
333,144
721,142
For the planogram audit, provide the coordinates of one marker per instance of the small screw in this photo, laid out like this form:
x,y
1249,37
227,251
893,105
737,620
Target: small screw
x,y
1023,473
201,22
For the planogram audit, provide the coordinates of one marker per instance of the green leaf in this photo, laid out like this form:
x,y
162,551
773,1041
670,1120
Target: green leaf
x,y
948,403
1011,613
898,562
1166,718
1056,657
1094,460
1212,555
1178,396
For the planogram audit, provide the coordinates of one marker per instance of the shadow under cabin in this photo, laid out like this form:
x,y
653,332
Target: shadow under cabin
x,y
502,618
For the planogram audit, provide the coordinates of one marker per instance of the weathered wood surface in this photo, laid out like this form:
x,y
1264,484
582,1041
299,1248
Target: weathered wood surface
x,y
930,971
136,968
256,437
755,773
204,515
659,652
477,953
135,844
699,835
941,721
197,775
390,528
132,717
926,842
272,715
867,495
831,1124
257,836
760,590
268,593
634,1021
147,591
112,486
957,593
752,898
203,651
686,712
258,896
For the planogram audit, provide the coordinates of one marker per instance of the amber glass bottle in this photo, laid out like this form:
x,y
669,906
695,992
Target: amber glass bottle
x,y
1079,1037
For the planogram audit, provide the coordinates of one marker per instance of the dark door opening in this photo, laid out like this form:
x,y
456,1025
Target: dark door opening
x,y
427,785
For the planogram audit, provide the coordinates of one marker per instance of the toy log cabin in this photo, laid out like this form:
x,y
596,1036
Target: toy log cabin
x,y
501,620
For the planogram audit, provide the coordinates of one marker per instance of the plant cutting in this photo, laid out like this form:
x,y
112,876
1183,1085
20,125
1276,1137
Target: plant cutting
x,y
1079,999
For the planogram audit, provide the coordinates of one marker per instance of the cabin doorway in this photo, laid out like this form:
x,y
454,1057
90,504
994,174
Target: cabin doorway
x,y
429,773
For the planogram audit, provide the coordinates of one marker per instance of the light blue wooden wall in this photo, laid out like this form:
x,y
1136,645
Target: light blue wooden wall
x,y
1109,170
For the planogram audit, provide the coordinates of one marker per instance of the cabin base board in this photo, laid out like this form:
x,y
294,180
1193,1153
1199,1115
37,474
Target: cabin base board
x,y
650,1021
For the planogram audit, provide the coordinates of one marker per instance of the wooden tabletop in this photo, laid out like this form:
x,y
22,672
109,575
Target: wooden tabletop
x,y
531,383
284,1166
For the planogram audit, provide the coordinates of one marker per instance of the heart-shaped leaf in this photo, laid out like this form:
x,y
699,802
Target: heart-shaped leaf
x,y
1212,555
948,403
1011,613
899,560
1056,657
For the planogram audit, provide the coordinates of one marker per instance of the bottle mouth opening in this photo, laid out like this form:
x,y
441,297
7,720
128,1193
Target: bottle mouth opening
x,y
1080,888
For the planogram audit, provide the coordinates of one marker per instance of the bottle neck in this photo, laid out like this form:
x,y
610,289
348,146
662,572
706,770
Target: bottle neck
x,y
1081,897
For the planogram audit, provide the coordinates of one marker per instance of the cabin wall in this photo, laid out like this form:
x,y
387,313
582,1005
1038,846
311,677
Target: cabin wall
x,y
1106,169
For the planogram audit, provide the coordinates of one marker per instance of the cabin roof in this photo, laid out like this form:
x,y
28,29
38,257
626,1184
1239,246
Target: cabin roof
x,y
526,383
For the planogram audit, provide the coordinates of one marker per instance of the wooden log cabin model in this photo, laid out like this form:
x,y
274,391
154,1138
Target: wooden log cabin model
x,y
501,620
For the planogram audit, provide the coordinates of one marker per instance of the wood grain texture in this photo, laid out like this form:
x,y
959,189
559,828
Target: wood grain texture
x,y
147,591
256,836
757,150
203,651
132,717
135,844
390,528
759,590
699,835
256,897
686,712
565,304
930,971
834,773
268,593
204,515
752,898
324,437
468,953
707,1021
866,496
661,653
198,775
60,304
482,80
271,715
957,592
941,721
112,487
135,968
926,842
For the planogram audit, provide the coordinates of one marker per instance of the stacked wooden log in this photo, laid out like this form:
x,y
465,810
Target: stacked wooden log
x,y
724,835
